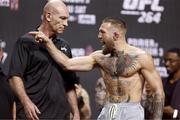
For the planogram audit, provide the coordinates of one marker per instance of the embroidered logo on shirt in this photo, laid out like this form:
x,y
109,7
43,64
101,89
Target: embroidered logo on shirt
x,y
64,49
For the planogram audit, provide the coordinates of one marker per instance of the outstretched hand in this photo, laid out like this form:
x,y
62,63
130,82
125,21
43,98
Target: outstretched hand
x,y
40,37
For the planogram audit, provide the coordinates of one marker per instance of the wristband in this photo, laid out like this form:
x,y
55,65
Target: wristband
x,y
175,114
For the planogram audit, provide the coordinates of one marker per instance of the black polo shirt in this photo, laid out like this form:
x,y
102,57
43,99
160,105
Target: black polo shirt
x,y
45,82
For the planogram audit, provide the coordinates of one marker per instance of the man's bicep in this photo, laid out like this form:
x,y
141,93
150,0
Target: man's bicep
x,y
153,78
150,73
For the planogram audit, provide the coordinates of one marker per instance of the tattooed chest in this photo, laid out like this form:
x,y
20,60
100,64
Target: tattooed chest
x,y
120,65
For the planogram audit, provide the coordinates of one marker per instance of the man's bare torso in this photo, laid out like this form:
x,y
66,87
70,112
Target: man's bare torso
x,y
122,75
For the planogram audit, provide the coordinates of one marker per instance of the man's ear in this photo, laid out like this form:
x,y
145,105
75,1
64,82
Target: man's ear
x,y
48,17
115,36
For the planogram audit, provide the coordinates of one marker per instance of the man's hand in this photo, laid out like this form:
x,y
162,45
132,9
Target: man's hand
x,y
168,110
39,36
31,110
76,116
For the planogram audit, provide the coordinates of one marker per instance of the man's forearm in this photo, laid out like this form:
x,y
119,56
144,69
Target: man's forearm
x,y
17,86
153,106
72,98
30,109
157,105
86,111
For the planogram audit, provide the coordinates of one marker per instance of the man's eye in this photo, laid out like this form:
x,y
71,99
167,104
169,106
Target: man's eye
x,y
63,18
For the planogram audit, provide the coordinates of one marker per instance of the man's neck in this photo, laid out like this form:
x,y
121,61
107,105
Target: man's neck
x,y
120,44
45,29
175,77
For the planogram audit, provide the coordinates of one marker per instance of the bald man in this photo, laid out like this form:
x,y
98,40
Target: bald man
x,y
43,89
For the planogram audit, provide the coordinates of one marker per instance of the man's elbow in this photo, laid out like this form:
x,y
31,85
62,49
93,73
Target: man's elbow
x,y
163,95
160,94
66,68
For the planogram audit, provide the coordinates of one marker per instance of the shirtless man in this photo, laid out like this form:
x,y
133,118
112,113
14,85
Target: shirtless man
x,y
124,69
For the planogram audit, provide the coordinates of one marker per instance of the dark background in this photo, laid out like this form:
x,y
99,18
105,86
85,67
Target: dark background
x,y
164,33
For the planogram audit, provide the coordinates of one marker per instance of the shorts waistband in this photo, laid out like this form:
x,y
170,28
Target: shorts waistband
x,y
123,104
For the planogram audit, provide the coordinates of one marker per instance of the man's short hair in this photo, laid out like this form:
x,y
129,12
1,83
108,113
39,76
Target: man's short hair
x,y
117,22
175,50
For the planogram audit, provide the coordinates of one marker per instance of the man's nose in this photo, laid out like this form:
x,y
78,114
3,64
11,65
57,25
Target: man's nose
x,y
167,63
99,36
65,23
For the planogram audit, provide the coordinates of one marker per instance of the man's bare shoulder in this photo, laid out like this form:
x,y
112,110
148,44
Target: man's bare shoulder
x,y
144,58
137,51
142,54
98,56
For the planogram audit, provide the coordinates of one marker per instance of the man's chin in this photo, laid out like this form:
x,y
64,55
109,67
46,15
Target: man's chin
x,y
169,71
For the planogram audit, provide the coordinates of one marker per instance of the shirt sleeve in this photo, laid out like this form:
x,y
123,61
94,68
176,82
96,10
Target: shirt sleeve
x,y
19,59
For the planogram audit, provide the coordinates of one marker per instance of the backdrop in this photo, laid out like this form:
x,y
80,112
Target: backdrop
x,y
153,25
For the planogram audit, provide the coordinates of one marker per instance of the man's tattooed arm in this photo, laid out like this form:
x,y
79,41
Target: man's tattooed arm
x,y
153,105
157,106
152,77
146,102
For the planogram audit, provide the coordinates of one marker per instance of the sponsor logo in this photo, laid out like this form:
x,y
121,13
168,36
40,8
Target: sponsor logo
x,y
148,11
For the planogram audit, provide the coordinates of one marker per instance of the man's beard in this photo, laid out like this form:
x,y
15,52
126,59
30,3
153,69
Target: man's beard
x,y
108,48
